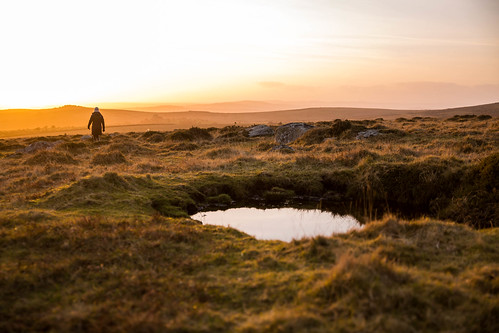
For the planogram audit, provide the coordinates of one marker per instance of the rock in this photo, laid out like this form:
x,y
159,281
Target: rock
x,y
260,130
86,137
367,134
39,145
290,132
283,149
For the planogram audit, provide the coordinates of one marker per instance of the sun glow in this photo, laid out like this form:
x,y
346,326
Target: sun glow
x,y
88,52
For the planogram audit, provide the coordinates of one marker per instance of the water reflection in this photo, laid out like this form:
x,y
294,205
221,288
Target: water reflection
x,y
280,223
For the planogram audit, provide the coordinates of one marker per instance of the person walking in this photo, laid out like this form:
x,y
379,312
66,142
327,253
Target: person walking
x,y
97,122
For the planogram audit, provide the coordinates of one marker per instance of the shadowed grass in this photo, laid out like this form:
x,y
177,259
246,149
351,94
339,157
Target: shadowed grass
x,y
105,274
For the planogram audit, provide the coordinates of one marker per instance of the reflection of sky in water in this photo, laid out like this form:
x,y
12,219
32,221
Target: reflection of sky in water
x,y
280,223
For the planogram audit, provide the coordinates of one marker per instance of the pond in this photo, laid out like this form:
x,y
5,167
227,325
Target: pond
x,y
283,224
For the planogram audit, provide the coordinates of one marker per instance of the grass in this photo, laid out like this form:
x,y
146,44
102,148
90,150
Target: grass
x,y
105,274
96,236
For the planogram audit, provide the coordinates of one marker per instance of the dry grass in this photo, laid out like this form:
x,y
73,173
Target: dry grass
x,y
104,274
88,241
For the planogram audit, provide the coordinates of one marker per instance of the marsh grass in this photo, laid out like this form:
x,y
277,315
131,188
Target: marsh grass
x,y
96,236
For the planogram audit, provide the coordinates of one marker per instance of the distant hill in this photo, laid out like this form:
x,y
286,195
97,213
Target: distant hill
x,y
76,117
224,107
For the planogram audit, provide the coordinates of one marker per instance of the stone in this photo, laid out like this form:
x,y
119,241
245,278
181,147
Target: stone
x,y
39,145
86,137
283,149
290,132
260,130
367,134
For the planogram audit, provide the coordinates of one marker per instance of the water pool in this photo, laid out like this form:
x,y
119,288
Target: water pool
x,y
283,224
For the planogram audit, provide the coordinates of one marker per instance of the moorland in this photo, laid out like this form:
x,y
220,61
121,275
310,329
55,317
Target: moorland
x,y
96,236
71,119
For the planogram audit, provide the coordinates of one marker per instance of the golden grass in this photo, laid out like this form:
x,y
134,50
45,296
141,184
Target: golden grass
x,y
88,244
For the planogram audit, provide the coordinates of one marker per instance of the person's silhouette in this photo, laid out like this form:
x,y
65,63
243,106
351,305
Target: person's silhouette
x,y
97,122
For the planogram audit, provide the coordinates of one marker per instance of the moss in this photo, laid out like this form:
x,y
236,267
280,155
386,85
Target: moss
x,y
277,195
165,207
221,199
475,200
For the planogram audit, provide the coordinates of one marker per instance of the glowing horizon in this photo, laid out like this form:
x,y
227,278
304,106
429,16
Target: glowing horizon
x,y
392,53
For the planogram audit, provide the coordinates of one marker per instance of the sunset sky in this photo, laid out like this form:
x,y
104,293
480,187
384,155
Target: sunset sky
x,y
385,53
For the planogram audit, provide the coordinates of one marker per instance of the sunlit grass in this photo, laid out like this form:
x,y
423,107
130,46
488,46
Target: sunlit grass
x,y
96,236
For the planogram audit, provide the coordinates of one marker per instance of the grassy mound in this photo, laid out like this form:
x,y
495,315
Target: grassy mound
x,y
112,157
107,275
191,134
54,157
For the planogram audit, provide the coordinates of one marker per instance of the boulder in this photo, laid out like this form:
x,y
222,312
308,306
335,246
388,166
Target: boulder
x,y
290,132
283,149
86,137
39,145
367,134
260,130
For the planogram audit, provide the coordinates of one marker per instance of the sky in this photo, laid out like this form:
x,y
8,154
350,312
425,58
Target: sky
x,y
385,53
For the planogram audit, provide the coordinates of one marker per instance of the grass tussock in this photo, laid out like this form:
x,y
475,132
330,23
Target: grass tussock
x,y
113,157
107,274
44,157
191,134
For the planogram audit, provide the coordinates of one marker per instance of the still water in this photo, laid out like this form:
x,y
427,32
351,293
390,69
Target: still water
x,y
283,224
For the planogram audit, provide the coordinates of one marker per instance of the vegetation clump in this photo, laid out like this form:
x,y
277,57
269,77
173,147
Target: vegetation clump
x,y
475,201
221,199
191,134
222,153
74,148
113,157
55,157
277,195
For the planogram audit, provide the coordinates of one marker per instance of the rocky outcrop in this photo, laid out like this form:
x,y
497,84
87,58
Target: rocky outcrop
x,y
290,132
39,145
260,130
367,134
283,149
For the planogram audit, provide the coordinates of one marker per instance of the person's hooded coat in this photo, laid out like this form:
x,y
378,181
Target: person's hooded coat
x,y
97,122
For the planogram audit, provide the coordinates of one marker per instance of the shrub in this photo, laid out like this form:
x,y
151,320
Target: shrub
x,y
484,117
